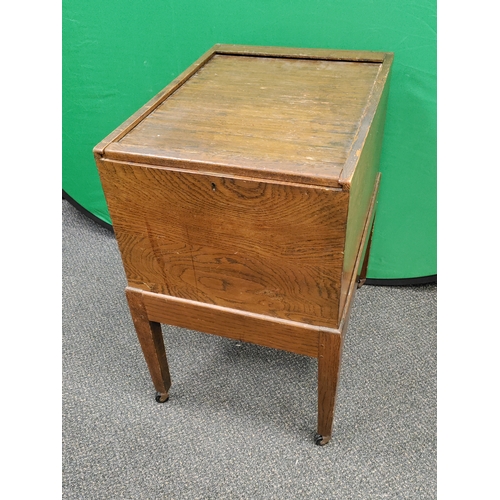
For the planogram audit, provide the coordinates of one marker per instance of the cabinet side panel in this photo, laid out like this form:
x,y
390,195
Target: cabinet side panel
x,y
360,192
267,248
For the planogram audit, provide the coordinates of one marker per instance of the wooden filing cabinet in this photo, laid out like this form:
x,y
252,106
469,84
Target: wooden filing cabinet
x,y
243,198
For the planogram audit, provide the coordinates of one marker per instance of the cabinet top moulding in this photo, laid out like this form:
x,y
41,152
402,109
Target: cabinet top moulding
x,y
271,113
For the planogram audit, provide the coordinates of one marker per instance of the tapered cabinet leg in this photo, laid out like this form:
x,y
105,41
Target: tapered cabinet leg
x,y
328,371
151,339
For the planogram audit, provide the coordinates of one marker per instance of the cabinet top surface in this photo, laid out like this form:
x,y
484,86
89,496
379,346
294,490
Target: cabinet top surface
x,y
262,113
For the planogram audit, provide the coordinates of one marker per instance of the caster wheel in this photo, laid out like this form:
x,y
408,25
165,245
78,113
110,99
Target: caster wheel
x,y
161,398
320,440
360,283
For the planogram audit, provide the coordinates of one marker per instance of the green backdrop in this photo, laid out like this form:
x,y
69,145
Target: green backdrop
x,y
117,55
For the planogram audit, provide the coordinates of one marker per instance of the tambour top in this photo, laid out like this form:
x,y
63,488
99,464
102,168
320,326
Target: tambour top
x,y
299,115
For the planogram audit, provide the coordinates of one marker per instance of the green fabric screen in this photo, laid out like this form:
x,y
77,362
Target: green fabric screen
x,y
117,55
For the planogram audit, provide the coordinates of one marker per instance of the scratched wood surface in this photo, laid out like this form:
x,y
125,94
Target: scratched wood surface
x,y
268,248
260,113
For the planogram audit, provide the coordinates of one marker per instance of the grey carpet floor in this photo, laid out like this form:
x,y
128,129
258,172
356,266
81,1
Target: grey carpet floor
x,y
241,418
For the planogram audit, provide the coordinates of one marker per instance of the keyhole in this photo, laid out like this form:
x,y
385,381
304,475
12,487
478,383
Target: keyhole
x,y
214,187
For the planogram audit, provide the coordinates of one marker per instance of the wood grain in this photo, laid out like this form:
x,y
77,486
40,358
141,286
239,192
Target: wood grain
x,y
247,327
328,372
268,248
289,115
373,117
243,196
302,53
151,105
360,172
348,291
151,339
361,278
331,343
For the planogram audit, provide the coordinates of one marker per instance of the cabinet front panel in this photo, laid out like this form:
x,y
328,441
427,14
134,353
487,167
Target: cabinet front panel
x,y
268,248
